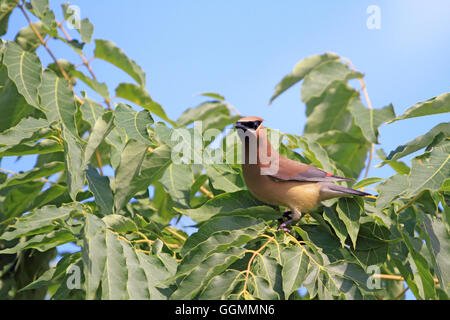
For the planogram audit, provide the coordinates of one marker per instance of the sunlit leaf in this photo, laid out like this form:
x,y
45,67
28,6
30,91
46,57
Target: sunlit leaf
x,y
108,51
24,69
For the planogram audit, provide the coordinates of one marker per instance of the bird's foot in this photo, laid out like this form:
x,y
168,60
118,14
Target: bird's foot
x,y
287,214
284,227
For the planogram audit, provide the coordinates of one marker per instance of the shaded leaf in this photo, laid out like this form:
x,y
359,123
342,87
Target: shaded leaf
x,y
34,222
130,163
99,185
349,211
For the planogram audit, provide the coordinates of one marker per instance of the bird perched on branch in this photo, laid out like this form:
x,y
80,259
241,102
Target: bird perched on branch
x,y
277,180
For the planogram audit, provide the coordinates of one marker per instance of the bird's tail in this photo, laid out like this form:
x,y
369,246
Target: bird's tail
x,y
342,191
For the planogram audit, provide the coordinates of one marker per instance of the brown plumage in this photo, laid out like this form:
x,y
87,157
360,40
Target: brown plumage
x,y
277,180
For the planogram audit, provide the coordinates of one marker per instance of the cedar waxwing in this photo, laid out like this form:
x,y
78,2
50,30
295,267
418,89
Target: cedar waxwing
x,y
277,180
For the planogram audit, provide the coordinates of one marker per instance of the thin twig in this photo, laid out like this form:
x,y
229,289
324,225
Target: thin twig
x,y
394,277
206,192
38,34
410,202
401,293
369,105
176,233
99,161
83,58
255,253
42,179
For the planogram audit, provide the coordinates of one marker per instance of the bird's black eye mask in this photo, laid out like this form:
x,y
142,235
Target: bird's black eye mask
x,y
245,125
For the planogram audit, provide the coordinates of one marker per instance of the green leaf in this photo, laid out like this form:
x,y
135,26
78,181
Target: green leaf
x,y
43,147
436,105
141,97
213,265
427,281
73,158
202,112
391,189
34,222
100,130
121,271
430,170
152,168
217,242
296,266
93,254
370,119
218,224
86,30
338,225
36,173
439,241
48,195
323,76
99,185
212,95
91,111
6,8
130,163
108,51
58,101
100,88
18,198
366,182
235,202
177,180
220,286
24,69
419,142
13,107
398,166
119,223
39,7
332,112
26,38
54,273
301,69
25,129
349,211
42,242
135,123
223,177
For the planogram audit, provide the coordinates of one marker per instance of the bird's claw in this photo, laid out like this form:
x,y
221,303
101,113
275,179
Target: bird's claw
x,y
287,214
283,227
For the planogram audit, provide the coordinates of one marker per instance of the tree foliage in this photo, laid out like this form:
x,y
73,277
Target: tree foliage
x,y
69,121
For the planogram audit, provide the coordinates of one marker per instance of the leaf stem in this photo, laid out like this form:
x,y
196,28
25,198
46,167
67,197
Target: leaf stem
x,y
255,253
206,192
44,43
83,58
369,105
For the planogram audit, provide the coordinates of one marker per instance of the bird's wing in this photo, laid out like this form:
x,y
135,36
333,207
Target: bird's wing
x,y
293,170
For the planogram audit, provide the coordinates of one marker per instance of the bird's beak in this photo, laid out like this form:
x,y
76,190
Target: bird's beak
x,y
240,126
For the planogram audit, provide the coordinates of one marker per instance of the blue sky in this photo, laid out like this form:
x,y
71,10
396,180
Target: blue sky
x,y
242,49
